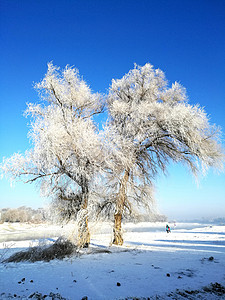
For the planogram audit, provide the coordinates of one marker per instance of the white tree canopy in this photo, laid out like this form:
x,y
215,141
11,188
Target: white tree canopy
x,y
151,123
66,148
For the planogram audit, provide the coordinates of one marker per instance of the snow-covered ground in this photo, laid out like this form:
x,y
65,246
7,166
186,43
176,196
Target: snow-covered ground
x,y
151,262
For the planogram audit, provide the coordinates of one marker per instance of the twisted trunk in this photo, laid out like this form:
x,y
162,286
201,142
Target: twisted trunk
x,y
83,231
117,230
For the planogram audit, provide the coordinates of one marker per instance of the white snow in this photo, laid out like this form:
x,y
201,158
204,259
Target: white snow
x,y
151,262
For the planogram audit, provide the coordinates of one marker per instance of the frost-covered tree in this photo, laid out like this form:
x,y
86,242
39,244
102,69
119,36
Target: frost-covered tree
x,y
66,150
150,125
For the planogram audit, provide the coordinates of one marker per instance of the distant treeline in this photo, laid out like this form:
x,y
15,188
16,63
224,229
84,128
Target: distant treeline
x,y
27,214
151,217
213,221
23,214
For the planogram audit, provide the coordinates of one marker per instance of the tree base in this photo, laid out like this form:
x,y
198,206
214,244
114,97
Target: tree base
x,y
84,239
86,245
118,238
83,231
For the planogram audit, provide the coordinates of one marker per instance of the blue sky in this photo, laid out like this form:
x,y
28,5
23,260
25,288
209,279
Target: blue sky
x,y
103,39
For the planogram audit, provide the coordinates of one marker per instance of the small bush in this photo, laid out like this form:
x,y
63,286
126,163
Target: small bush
x,y
60,249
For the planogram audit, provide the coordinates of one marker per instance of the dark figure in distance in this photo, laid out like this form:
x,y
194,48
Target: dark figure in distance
x,y
167,228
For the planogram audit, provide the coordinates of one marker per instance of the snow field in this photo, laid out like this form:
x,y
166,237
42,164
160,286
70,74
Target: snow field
x,y
151,262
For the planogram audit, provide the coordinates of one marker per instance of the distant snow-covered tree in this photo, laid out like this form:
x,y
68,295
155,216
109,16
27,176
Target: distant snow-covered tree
x,y
66,149
151,124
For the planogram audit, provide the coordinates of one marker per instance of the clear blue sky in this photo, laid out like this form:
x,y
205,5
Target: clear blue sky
x,y
103,39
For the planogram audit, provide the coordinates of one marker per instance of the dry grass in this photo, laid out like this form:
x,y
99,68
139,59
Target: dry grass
x,y
60,249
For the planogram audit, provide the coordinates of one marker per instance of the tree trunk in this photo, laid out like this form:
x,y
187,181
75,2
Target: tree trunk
x,y
117,230
83,231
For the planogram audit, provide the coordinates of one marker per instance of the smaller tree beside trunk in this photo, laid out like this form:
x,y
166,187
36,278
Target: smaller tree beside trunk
x,y
66,151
